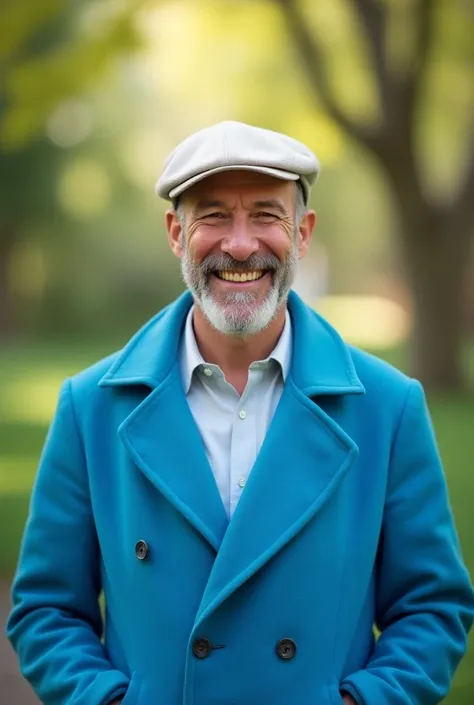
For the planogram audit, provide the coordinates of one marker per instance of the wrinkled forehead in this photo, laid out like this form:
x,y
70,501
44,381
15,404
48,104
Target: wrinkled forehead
x,y
237,185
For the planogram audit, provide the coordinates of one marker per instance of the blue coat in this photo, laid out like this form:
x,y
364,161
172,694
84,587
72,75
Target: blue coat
x,y
344,523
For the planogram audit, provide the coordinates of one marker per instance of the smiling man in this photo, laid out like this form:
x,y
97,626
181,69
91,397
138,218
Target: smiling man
x,y
251,494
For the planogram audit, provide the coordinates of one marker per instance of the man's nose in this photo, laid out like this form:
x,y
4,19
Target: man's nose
x,y
240,243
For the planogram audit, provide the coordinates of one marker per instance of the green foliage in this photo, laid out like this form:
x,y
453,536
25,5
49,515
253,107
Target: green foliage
x,y
21,20
87,39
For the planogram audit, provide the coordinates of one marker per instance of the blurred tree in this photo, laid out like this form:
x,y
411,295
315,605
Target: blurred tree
x,y
405,41
50,51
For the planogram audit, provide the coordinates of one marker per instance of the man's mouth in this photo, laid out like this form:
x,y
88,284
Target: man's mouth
x,y
233,276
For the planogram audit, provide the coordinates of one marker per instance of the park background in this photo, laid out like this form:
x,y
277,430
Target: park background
x,y
94,94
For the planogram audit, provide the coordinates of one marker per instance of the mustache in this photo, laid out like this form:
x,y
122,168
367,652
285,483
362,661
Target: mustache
x,y
213,263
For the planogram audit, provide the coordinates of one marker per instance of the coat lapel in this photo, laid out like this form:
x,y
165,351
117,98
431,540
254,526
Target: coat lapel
x,y
160,434
164,442
304,458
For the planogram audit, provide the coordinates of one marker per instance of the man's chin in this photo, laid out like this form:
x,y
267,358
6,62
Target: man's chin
x,y
242,309
240,319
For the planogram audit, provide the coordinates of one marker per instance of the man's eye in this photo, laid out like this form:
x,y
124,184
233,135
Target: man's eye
x,y
216,215
263,215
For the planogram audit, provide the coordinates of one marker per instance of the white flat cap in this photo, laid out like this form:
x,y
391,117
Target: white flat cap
x,y
230,146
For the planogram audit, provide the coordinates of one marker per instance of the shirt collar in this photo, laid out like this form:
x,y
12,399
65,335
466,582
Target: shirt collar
x,y
191,358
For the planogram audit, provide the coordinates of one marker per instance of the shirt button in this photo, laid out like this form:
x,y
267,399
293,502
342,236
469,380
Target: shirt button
x,y
243,414
207,372
242,482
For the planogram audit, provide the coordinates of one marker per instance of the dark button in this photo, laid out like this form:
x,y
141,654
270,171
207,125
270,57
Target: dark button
x,y
141,550
202,648
286,649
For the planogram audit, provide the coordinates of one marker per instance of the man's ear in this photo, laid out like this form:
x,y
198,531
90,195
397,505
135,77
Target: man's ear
x,y
305,232
175,232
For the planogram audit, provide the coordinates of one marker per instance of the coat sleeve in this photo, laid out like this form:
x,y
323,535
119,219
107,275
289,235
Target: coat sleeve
x,y
55,625
425,601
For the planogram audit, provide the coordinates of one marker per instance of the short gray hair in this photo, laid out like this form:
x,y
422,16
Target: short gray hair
x,y
300,206
179,210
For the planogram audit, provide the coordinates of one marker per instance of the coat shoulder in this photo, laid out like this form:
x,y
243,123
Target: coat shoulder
x,y
379,378
85,383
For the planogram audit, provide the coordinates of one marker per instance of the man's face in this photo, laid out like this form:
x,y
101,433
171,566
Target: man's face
x,y
239,247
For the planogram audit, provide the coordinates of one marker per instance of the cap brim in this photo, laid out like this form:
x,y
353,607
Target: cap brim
x,y
277,173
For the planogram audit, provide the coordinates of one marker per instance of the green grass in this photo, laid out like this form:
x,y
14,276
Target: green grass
x,y
30,380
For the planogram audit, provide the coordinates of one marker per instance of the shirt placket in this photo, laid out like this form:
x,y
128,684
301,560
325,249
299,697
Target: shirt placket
x,y
243,443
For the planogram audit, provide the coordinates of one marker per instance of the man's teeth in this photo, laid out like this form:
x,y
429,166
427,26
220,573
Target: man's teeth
x,y
241,277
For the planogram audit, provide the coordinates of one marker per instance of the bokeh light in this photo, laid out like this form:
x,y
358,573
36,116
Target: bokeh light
x,y
70,124
84,188
367,321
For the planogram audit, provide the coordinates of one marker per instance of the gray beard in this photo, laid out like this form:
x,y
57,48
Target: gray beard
x,y
237,313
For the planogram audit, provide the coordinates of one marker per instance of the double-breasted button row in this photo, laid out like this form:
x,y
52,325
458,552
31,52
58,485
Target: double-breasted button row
x,y
285,649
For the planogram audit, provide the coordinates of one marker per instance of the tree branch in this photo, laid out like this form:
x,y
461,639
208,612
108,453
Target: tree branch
x,y
423,19
313,61
461,212
462,208
373,16
425,16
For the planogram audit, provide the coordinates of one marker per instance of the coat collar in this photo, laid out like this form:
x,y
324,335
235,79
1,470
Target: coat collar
x,y
321,361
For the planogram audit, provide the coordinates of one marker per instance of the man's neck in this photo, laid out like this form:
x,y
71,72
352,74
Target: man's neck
x,y
234,354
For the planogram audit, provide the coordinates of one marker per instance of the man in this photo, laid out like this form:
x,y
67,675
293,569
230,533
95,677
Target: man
x,y
251,494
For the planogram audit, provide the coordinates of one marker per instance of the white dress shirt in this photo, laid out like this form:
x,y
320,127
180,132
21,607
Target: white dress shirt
x,y
233,427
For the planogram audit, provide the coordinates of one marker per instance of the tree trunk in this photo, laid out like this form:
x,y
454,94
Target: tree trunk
x,y
436,343
437,263
435,246
8,235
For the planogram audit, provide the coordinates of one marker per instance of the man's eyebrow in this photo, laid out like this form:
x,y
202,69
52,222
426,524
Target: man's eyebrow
x,y
273,204
205,203
270,203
